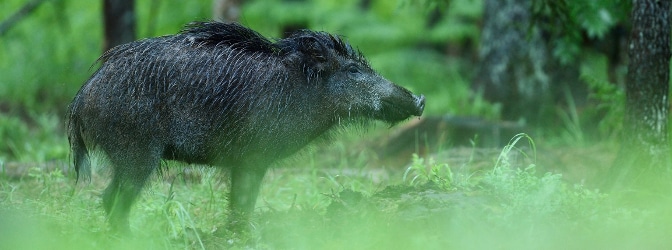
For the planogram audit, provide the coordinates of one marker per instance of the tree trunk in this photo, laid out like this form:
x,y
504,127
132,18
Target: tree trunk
x,y
119,21
644,148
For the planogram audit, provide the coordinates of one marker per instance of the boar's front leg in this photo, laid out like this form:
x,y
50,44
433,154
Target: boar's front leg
x,y
245,184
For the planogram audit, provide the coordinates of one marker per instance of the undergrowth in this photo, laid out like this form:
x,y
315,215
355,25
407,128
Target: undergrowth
x,y
513,182
511,205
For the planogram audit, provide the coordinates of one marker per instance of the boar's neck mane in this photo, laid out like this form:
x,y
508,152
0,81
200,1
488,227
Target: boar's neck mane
x,y
232,35
241,38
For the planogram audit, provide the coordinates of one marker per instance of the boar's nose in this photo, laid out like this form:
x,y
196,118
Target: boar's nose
x,y
419,105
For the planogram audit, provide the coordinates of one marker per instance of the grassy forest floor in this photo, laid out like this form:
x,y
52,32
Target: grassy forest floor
x,y
340,196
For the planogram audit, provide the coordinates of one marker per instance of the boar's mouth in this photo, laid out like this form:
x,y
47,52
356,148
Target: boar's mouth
x,y
395,109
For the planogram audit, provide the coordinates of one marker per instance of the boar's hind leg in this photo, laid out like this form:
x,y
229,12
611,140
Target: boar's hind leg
x,y
245,184
130,173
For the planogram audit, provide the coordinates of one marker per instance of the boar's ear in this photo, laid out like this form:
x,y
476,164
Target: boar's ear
x,y
313,49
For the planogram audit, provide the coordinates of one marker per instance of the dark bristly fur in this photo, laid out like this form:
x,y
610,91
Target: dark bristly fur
x,y
223,95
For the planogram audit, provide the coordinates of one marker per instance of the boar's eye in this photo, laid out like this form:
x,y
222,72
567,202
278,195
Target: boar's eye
x,y
354,70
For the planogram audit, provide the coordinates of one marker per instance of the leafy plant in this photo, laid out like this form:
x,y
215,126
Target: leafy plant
x,y
39,143
524,192
610,102
424,171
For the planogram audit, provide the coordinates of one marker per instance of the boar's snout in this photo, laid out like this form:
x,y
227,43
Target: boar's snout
x,y
400,104
419,105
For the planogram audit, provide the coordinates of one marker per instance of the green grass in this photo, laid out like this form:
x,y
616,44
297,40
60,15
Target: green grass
x,y
318,203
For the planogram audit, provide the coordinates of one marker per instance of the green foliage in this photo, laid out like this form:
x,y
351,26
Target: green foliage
x,y
521,193
45,57
610,100
593,17
514,182
524,192
503,160
35,139
609,97
567,19
428,171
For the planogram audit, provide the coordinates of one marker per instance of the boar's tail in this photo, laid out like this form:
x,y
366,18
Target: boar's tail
x,y
79,152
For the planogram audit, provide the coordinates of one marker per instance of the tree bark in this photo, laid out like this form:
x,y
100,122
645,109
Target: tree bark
x,y
645,148
119,21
